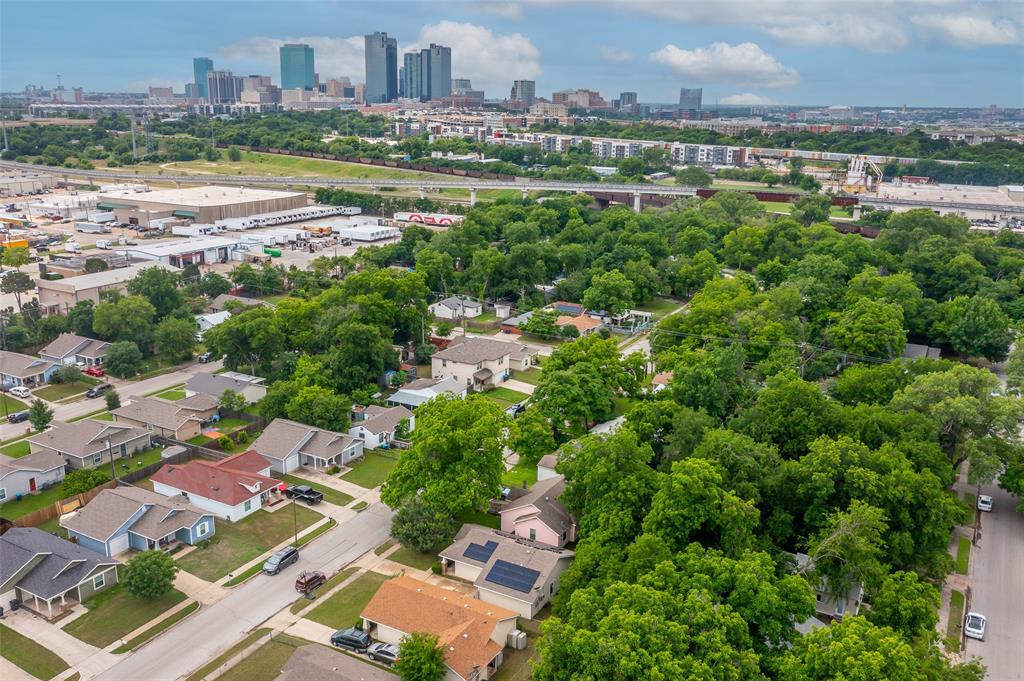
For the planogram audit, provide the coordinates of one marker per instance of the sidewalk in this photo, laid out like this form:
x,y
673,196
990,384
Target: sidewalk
x,y
150,624
89,660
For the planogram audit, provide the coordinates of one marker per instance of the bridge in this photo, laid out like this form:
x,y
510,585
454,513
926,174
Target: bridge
x,y
523,184
994,208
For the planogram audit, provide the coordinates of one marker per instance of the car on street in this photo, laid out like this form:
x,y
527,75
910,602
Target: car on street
x,y
974,626
984,502
308,581
383,652
289,555
17,417
205,357
21,391
351,639
304,493
515,410
95,372
97,390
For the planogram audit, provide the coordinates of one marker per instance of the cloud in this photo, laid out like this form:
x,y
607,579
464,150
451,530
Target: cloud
x,y
491,60
747,99
967,32
614,54
506,10
743,64
333,57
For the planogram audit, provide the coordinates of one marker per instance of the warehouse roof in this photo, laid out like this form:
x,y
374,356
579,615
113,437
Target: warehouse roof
x,y
199,196
181,246
100,279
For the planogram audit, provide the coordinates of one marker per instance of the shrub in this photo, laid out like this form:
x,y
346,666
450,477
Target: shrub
x,y
334,470
241,437
225,442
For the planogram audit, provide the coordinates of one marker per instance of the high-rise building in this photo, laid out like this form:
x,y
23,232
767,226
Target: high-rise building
x,y
201,66
461,85
223,87
689,98
381,68
524,91
436,65
297,72
627,101
412,75
255,82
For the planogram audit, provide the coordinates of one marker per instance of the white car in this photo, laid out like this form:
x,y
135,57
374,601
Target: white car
x,y
21,391
974,626
984,502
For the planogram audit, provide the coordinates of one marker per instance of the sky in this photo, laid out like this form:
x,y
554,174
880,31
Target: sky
x,y
799,52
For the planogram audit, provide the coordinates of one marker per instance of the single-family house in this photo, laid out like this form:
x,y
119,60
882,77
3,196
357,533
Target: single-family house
x,y
48,574
205,322
661,381
415,393
289,444
70,348
31,473
515,324
376,428
226,301
252,388
181,420
566,308
511,573
90,443
18,369
583,324
473,633
129,517
539,516
315,662
479,363
915,351
833,606
231,488
456,307
546,467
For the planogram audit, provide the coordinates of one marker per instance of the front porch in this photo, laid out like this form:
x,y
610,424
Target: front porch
x,y
51,609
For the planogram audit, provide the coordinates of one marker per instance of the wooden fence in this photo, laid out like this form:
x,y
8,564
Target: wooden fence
x,y
59,508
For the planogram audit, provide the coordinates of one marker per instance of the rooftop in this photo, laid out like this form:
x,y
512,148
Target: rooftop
x,y
100,279
198,197
182,246
383,419
281,437
86,436
37,461
224,483
161,413
62,567
17,364
473,349
544,497
112,508
73,344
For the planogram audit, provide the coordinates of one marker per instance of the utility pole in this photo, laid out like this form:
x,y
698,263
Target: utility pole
x,y
295,521
135,155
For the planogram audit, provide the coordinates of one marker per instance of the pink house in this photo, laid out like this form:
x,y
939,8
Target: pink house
x,y
539,516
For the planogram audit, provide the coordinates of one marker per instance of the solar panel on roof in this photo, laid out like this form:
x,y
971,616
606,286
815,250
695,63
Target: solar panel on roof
x,y
481,552
512,576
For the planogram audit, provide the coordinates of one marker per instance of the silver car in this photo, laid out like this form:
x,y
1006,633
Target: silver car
x,y
974,626
383,652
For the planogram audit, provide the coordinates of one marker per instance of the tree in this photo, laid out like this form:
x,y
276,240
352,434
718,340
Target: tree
x,y
79,318
420,658
541,323
212,285
455,457
574,398
234,154
693,176
175,338
847,550
232,400
906,604
112,399
531,436
82,480
421,526
124,359
127,319
39,415
17,283
811,208
248,340
974,326
789,412
159,287
15,256
320,407
69,373
609,292
150,575
93,265
361,356
870,329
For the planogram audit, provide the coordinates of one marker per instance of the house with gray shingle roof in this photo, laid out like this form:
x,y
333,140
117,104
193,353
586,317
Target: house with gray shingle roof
x,y
456,307
378,424
90,443
252,388
49,574
18,369
28,474
181,420
480,363
69,348
129,517
539,516
290,444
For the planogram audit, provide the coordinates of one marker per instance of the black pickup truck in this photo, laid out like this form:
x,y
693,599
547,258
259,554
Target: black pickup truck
x,y
304,493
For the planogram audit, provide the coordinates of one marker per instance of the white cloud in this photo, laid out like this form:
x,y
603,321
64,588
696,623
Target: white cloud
x,y
506,10
333,57
491,60
747,99
743,64
974,31
614,54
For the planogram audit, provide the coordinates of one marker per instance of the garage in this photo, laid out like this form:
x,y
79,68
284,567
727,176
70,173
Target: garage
x,y
118,544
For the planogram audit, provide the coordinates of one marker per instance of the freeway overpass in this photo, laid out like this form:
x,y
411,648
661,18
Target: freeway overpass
x,y
523,184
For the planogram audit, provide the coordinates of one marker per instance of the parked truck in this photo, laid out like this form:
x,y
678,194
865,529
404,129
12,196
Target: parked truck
x,y
91,228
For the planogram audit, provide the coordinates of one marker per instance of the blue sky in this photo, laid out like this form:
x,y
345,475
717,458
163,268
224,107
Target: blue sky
x,y
874,52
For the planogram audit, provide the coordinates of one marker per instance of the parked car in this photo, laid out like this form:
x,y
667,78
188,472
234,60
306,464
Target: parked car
x,y
97,390
280,560
304,493
984,502
383,652
21,391
515,410
974,626
308,581
351,639
95,372
18,417
205,357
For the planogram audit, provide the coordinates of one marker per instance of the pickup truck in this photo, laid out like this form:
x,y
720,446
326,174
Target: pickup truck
x,y
304,493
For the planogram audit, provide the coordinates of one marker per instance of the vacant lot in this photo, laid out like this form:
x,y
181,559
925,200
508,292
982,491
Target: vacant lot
x,y
342,609
115,612
371,471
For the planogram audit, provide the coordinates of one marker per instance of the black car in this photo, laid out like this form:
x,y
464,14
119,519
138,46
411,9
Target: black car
x,y
304,493
206,357
18,417
97,390
383,652
351,639
280,560
515,410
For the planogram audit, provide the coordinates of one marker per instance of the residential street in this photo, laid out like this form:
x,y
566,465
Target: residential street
x,y
216,627
997,588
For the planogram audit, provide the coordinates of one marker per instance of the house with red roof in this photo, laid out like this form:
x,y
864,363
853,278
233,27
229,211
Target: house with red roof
x,y
231,488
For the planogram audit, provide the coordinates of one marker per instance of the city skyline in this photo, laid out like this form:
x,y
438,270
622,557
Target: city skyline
x,y
948,53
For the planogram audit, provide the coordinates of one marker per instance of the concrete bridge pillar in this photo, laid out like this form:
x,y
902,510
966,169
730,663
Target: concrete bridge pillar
x,y
636,201
472,196
856,212
423,192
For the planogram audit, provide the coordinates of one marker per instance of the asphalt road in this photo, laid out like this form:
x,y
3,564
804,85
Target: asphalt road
x,y
217,627
997,588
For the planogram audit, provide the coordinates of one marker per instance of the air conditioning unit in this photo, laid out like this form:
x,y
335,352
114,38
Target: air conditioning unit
x,y
513,638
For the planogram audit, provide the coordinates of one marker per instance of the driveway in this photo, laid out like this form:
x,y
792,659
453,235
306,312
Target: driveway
x,y
997,588
216,627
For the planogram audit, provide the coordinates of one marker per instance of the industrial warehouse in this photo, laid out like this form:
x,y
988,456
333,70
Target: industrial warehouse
x,y
199,204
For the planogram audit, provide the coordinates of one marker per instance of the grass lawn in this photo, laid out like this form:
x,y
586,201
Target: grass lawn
x,y
201,673
480,518
115,612
235,544
954,628
174,394
413,558
59,391
265,663
157,629
660,307
342,609
970,499
52,525
12,404
103,416
531,375
302,603
16,449
35,659
230,425
506,395
515,476
371,471
963,555
331,495
14,509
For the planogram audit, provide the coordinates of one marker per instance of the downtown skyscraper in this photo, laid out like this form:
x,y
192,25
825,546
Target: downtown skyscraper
x,y
201,66
297,71
427,74
381,68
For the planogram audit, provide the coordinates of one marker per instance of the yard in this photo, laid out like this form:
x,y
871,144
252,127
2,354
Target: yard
x,y
17,449
114,613
505,397
302,603
12,405
235,544
371,471
963,555
265,663
413,558
660,307
480,518
35,659
342,609
622,405
331,495
517,665
174,394
531,375
955,625
60,391
523,471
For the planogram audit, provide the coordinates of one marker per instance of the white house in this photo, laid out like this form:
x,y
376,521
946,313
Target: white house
x,y
205,322
289,444
232,488
456,307
479,363
415,393
377,427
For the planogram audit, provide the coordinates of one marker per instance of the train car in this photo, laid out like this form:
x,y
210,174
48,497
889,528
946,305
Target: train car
x,y
490,176
391,163
405,164
317,154
460,172
475,173
506,177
